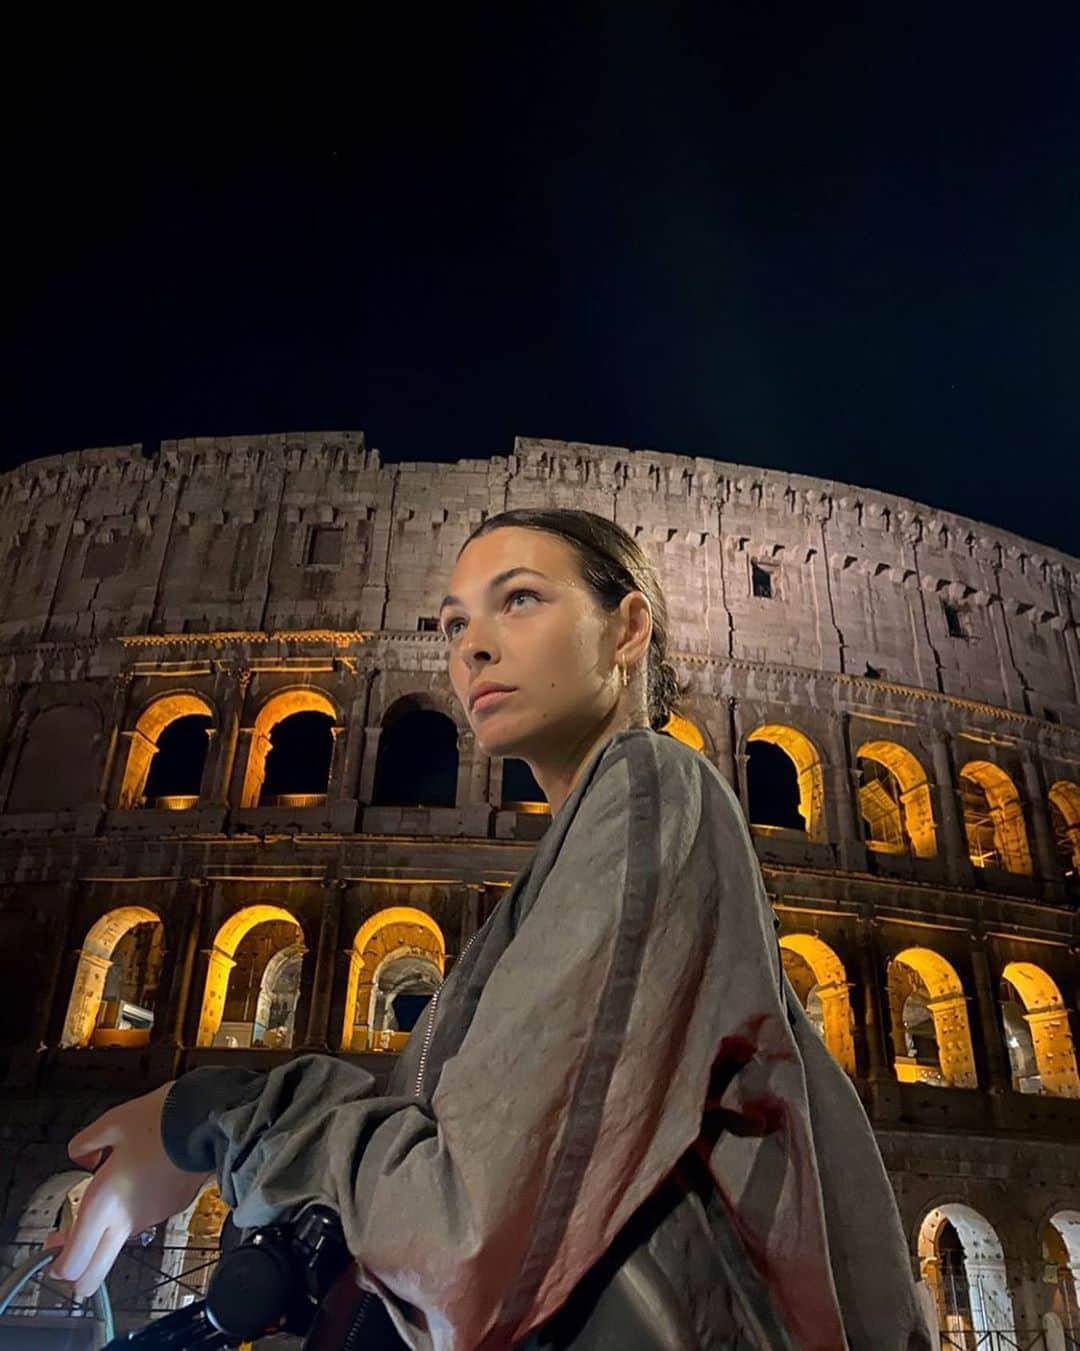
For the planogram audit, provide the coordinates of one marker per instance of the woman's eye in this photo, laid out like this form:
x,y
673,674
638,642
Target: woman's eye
x,y
512,596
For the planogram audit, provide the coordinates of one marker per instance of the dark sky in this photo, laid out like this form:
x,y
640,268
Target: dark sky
x,y
840,241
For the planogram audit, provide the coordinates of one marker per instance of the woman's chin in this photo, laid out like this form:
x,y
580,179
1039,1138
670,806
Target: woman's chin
x,y
494,739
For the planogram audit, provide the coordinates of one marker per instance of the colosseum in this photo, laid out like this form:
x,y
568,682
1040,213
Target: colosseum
x,y
242,814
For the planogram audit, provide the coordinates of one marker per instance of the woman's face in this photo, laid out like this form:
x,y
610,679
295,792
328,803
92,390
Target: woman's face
x,y
540,632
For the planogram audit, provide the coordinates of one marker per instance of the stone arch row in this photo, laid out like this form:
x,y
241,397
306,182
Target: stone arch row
x,y
174,1271
784,780
957,1251
895,797
929,1027
967,1283
251,987
397,958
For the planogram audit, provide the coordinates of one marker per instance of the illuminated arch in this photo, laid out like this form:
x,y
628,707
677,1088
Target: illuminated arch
x,y
283,704
972,1295
1065,796
398,927
915,809
1061,1245
808,771
1047,1017
831,989
144,738
222,959
947,1006
994,818
191,1250
682,729
95,961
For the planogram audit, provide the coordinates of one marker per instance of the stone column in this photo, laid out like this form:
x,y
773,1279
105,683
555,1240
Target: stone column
x,y
955,1052
1046,854
168,1029
368,765
230,691
952,841
869,979
840,788
990,1025
316,1037
110,768
1055,1053
353,750
723,733
340,807
472,770
52,993
466,896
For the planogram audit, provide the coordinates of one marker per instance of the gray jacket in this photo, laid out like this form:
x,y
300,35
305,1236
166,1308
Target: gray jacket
x,y
614,1114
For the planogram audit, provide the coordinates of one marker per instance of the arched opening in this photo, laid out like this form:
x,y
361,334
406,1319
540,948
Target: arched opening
x,y
167,753
993,818
191,1250
963,1264
520,791
235,995
1065,819
1037,1033
784,782
279,991
819,979
59,763
682,729
929,1021
403,984
397,961
1061,1254
894,800
417,760
116,981
291,747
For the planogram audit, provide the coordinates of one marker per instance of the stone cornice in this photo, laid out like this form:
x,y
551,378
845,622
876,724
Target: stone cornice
x,y
342,639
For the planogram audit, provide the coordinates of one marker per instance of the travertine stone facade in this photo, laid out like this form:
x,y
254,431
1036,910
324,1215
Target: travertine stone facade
x,y
251,578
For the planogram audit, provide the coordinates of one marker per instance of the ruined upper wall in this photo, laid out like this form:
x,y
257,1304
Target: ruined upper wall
x,y
312,531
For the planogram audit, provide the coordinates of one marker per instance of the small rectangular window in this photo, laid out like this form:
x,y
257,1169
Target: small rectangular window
x,y
427,624
324,546
761,579
105,560
953,621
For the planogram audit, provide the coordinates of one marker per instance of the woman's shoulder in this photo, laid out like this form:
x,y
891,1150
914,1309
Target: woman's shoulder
x,y
676,767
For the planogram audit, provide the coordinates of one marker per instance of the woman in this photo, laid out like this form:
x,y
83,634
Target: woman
x,y
615,1126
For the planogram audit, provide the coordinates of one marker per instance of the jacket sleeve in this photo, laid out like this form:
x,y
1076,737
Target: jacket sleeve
x,y
578,1085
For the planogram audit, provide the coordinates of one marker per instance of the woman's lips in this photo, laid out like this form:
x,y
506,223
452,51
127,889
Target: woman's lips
x,y
491,699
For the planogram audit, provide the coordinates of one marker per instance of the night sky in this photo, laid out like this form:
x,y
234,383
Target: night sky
x,y
839,241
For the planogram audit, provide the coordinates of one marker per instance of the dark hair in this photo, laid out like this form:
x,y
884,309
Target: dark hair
x,y
612,564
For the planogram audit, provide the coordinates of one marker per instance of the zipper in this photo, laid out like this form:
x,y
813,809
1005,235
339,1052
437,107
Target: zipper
x,y
350,1342
429,1031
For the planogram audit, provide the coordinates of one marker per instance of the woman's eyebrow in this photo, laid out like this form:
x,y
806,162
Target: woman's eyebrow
x,y
496,581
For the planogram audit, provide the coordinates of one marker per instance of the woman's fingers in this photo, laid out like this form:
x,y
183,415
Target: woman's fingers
x,y
100,1264
92,1140
89,1160
85,1235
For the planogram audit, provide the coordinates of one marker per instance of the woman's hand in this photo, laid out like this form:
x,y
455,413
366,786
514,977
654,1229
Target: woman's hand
x,y
135,1187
